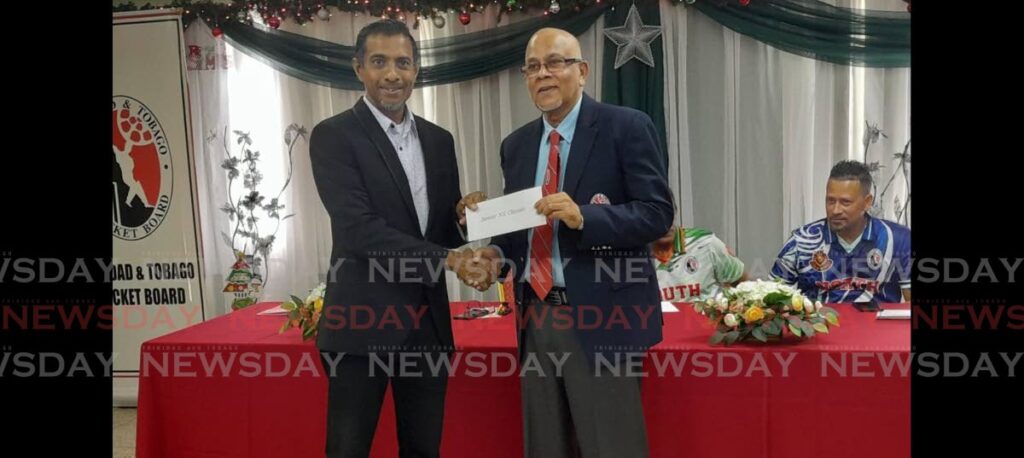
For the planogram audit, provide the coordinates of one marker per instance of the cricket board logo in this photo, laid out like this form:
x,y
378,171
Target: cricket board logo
x,y
142,175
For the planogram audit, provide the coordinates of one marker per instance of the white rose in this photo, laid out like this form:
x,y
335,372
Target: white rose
x,y
316,293
730,320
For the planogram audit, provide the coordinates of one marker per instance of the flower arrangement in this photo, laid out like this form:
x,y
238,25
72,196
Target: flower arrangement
x,y
305,314
763,311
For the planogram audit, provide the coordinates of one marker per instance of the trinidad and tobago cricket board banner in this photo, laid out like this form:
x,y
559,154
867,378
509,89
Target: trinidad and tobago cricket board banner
x,y
157,278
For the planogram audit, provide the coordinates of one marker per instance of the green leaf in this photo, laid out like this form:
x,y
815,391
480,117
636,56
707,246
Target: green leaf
x,y
807,329
825,310
777,299
821,327
284,327
759,334
795,330
717,337
308,332
832,319
731,337
289,306
774,327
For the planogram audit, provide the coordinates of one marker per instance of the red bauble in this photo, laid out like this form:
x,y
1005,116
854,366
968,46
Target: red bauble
x,y
217,32
274,22
464,18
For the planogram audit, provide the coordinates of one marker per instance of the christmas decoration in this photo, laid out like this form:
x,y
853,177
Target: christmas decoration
x,y
633,39
243,286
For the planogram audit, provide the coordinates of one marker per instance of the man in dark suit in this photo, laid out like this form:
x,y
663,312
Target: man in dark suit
x,y
389,181
586,286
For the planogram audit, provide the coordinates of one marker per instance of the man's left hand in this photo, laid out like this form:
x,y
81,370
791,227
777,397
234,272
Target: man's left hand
x,y
560,206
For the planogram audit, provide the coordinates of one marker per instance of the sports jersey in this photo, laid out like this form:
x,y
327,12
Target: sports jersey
x,y
877,267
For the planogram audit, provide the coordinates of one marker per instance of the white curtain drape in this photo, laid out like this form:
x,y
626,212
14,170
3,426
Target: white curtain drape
x,y
753,131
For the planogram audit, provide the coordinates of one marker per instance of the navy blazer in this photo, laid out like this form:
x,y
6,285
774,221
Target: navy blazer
x,y
609,279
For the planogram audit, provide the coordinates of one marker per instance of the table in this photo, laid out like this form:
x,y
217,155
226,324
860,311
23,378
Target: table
x,y
843,394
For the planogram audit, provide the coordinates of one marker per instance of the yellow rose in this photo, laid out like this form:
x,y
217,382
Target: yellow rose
x,y
318,305
753,314
798,303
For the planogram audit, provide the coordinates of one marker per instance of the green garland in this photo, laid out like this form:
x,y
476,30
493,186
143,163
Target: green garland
x,y
809,28
304,11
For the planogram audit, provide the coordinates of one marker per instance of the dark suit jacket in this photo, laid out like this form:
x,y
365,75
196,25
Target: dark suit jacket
x,y
382,267
615,152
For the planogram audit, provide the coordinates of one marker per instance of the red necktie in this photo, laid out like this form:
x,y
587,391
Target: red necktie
x,y
540,244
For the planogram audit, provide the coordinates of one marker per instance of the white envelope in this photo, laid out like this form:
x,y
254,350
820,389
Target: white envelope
x,y
505,214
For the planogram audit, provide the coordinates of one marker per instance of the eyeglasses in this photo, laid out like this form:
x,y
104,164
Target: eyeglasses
x,y
553,66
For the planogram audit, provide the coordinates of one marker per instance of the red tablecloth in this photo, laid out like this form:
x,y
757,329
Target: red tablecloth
x,y
739,401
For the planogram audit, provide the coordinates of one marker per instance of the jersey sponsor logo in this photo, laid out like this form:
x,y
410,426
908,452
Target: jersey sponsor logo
x,y
875,259
848,284
820,261
691,264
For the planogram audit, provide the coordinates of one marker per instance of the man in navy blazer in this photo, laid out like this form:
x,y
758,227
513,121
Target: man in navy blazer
x,y
586,292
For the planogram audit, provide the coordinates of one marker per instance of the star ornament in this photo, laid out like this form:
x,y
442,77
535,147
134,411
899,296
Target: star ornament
x,y
633,39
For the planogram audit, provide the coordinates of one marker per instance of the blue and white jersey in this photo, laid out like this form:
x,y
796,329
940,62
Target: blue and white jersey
x,y
814,260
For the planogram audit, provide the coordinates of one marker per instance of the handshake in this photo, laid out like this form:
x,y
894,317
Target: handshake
x,y
477,267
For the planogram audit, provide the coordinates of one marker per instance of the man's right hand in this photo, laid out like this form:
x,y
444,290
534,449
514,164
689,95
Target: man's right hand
x,y
476,268
484,268
469,201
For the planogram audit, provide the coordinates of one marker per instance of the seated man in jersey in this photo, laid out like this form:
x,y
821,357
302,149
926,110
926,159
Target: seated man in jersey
x,y
693,264
849,256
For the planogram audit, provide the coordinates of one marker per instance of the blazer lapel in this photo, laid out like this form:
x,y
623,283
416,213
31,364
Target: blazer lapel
x,y
582,143
433,163
387,152
527,174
